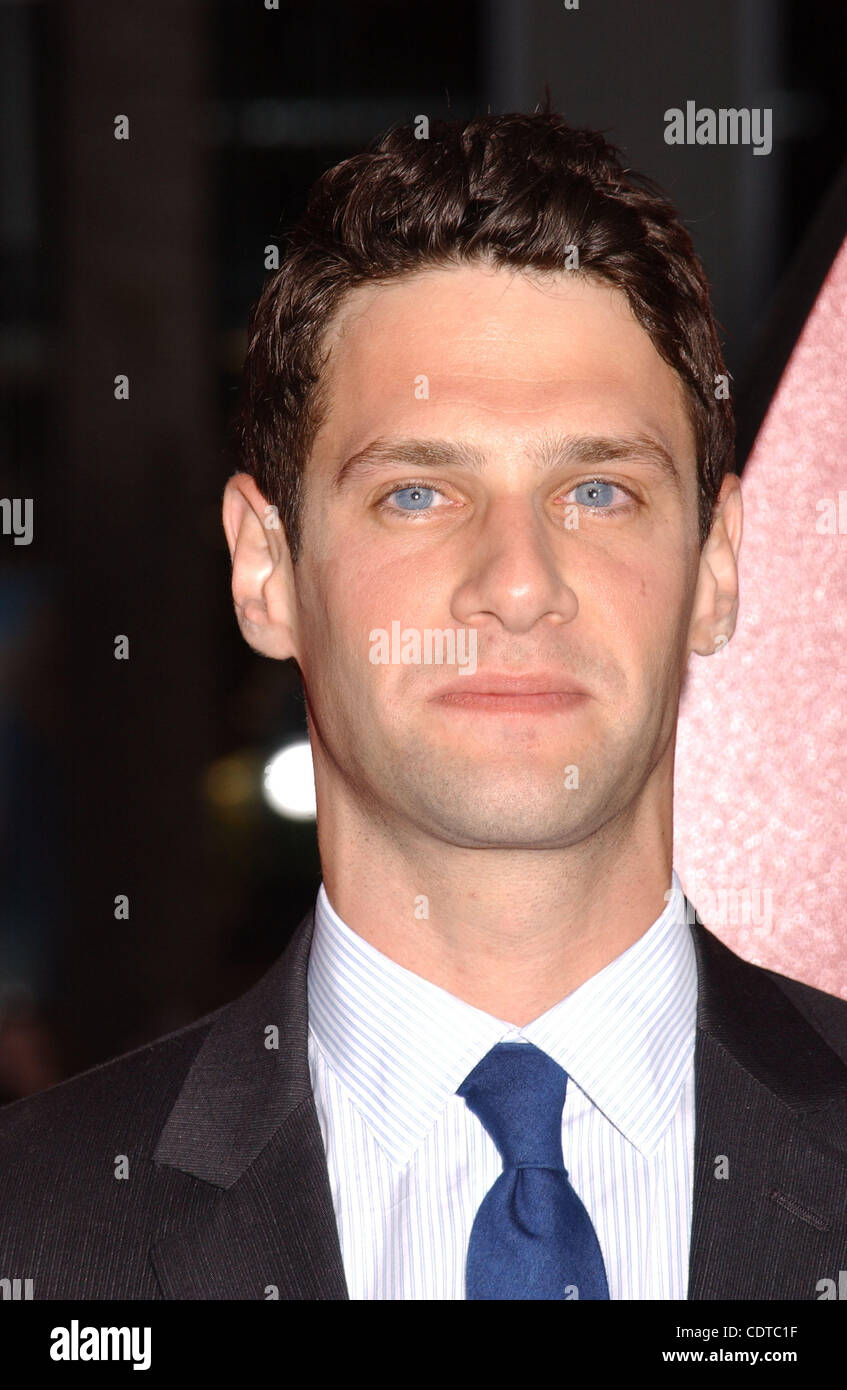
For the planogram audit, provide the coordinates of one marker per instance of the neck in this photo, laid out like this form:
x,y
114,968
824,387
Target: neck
x,y
510,932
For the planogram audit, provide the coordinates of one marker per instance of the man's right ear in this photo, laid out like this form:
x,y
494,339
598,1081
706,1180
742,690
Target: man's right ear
x,y
262,570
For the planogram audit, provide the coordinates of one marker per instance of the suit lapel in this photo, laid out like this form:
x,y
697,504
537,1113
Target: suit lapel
x,y
245,1122
771,1114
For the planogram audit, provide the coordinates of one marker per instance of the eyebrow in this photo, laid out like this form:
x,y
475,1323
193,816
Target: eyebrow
x,y
550,451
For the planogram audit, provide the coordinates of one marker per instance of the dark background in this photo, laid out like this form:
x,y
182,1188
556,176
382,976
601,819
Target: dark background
x,y
143,777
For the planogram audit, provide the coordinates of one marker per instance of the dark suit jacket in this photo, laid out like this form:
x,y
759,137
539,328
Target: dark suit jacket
x,y
227,1194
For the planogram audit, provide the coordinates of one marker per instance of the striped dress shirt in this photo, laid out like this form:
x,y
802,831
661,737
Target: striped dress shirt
x,y
409,1164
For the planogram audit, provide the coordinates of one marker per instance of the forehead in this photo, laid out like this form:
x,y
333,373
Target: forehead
x,y
476,348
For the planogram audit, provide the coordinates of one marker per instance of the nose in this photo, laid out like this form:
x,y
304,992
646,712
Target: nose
x,y
514,572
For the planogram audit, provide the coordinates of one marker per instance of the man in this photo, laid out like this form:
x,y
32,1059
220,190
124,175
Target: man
x,y
502,1059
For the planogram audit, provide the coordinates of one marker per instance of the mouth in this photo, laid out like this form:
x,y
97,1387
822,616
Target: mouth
x,y
491,693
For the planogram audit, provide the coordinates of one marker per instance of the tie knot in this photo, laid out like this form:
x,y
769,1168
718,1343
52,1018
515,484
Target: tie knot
x,y
518,1093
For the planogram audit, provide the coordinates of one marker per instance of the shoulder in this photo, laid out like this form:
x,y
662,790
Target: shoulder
x,y
82,1197
127,1093
73,1135
87,1192
741,1004
827,1013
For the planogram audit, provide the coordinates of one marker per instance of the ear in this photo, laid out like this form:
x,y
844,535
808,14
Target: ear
x,y
715,608
262,572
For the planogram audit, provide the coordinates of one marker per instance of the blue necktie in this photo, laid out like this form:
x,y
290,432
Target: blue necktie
x,y
532,1237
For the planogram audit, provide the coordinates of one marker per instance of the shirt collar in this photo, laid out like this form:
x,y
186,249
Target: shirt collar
x,y
401,1045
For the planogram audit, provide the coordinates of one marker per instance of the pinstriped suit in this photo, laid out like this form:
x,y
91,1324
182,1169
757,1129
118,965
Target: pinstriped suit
x,y
228,1194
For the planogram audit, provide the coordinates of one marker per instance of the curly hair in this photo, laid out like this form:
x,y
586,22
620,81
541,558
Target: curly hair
x,y
517,190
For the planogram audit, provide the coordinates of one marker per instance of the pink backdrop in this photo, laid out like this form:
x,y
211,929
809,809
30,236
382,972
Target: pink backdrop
x,y
761,776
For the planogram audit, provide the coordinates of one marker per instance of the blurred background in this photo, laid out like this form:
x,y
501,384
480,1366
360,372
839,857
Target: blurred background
x,y
154,858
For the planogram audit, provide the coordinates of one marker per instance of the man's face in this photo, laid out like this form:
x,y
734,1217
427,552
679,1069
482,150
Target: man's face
x,y
498,531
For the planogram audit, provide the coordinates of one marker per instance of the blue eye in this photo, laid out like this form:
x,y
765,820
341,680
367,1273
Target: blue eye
x,y
419,499
599,494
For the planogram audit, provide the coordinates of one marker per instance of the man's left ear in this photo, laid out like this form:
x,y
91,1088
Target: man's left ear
x,y
262,570
715,608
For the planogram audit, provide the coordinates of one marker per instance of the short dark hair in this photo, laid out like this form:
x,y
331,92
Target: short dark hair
x,y
514,190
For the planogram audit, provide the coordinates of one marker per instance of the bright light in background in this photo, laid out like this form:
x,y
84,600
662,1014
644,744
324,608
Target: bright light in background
x,y
289,782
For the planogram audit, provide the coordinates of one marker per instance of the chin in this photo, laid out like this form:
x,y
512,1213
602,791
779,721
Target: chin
x,y
509,814
514,834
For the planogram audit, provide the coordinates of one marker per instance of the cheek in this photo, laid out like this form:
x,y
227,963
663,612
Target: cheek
x,y
366,591
647,580
341,606
639,605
